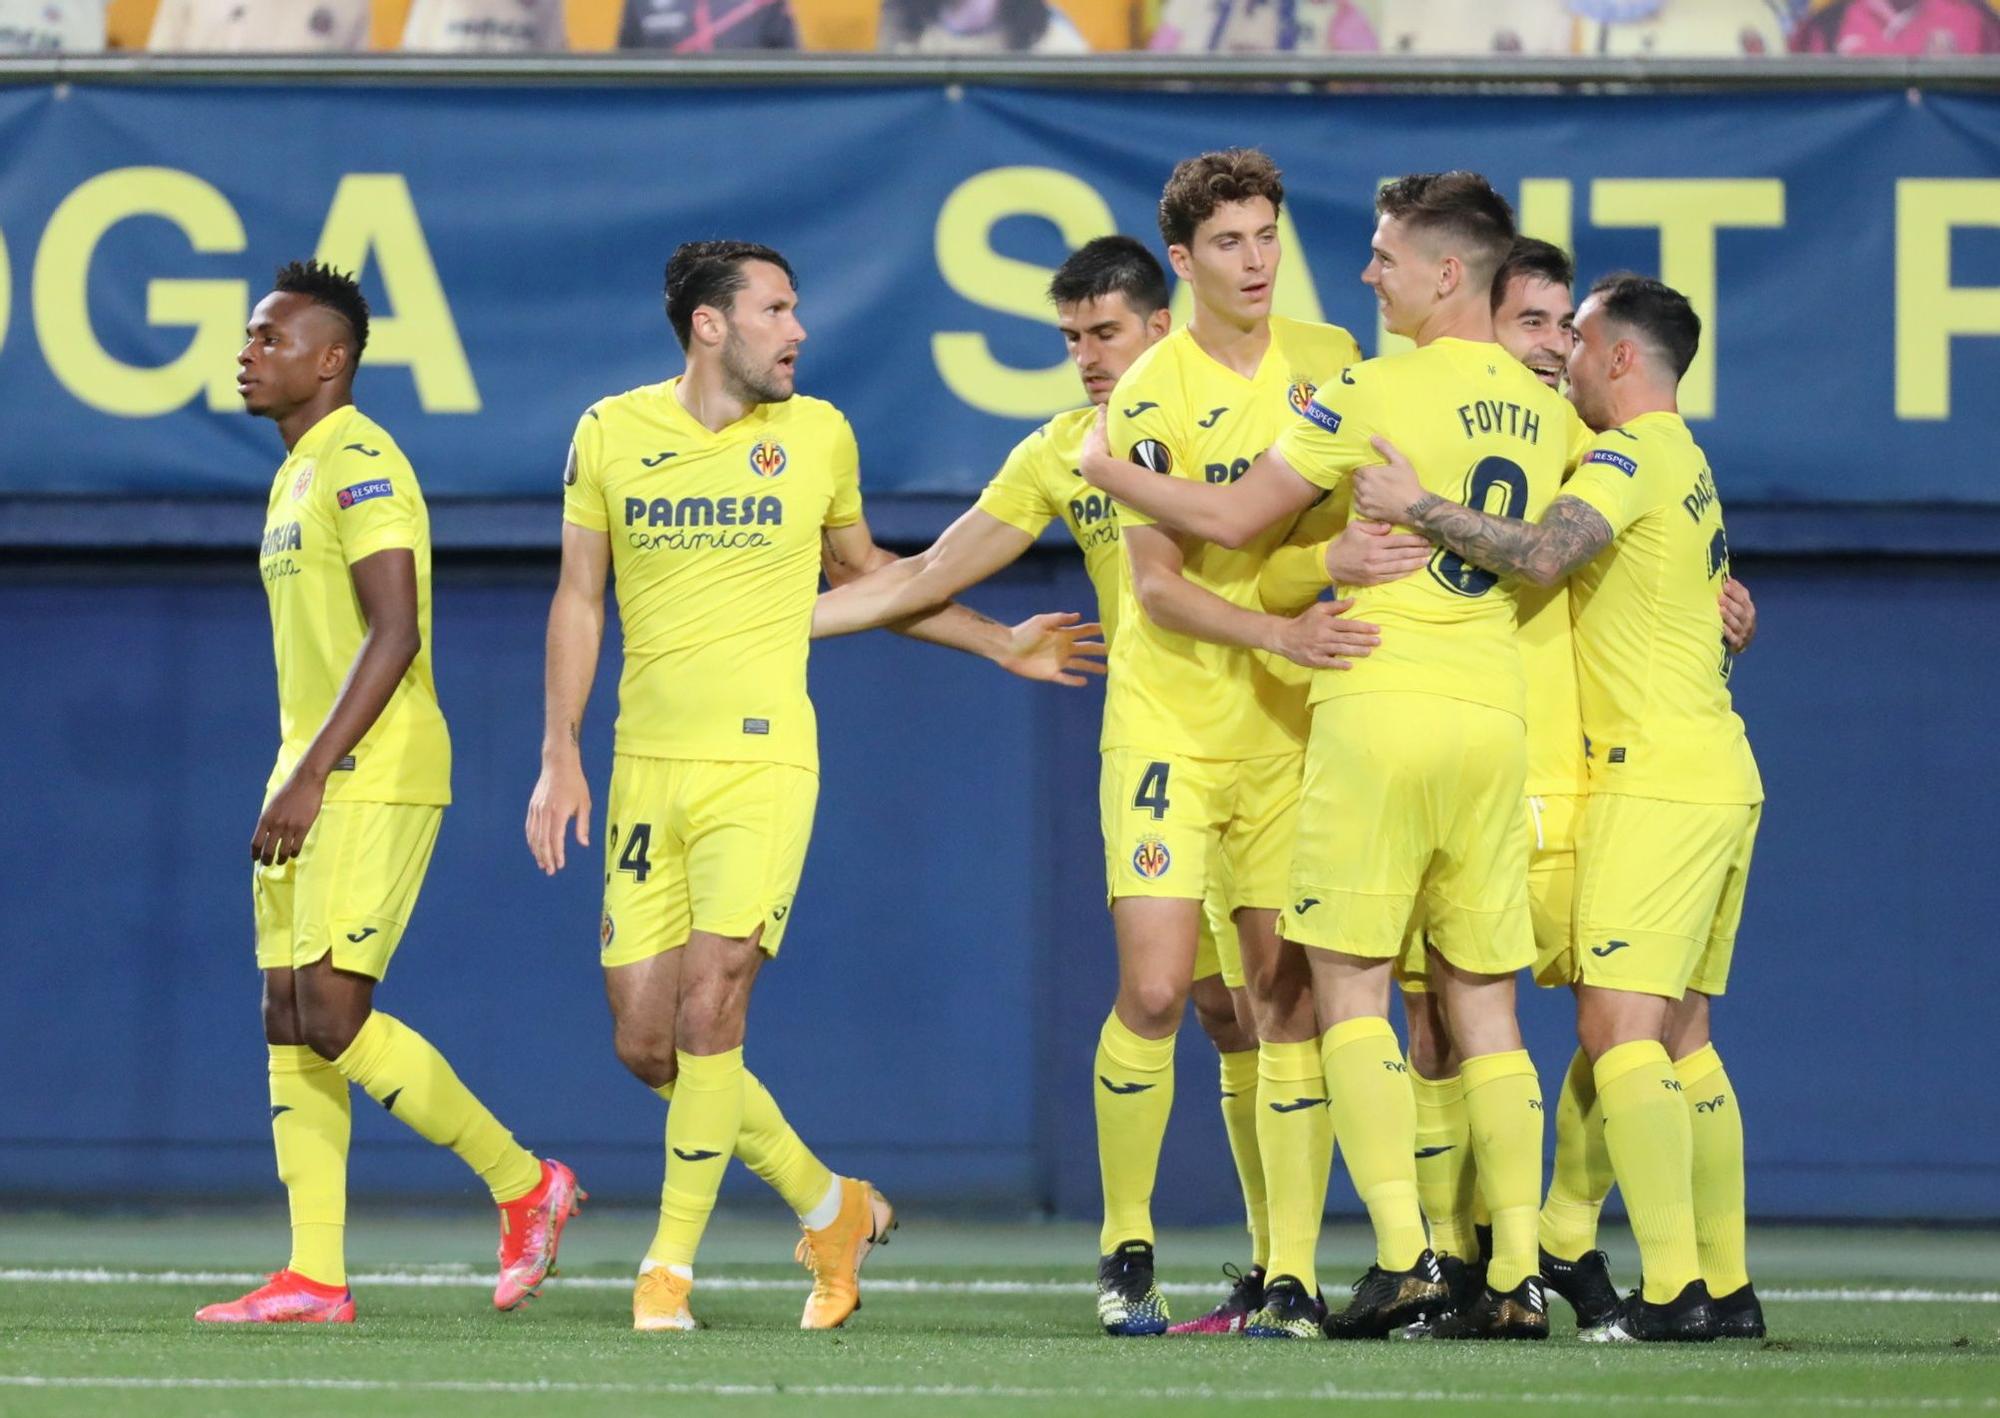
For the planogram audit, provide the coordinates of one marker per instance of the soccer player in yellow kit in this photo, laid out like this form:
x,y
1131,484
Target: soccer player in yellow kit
x,y
352,809
715,498
1675,796
1423,742
1204,726
1111,304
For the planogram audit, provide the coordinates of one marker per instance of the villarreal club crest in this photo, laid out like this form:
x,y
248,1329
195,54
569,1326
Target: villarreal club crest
x,y
1151,858
1300,395
767,459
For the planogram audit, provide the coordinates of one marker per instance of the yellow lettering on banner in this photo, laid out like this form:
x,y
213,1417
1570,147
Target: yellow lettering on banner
x,y
1297,295
1688,213
1545,212
213,308
373,216
971,267
1930,310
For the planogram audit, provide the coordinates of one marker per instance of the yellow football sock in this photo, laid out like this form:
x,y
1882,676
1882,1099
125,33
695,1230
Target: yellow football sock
x,y
1444,1163
703,1128
1717,1128
1375,1116
397,1067
1652,1151
1239,1120
769,1147
1582,1175
310,1121
1295,1136
1134,1092
1503,1105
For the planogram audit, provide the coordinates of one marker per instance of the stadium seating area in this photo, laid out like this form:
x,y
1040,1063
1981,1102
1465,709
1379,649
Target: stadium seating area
x,y
1712,28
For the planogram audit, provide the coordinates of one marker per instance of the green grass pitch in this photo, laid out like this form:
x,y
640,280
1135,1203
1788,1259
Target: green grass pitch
x,y
959,1319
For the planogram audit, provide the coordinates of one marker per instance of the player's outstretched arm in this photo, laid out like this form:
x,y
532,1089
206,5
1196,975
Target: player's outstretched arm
x,y
1228,514
968,551
1739,616
576,633
1318,637
1569,534
1059,649
386,586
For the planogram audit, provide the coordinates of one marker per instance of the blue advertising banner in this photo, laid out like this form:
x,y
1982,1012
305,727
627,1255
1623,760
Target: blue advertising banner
x,y
1843,249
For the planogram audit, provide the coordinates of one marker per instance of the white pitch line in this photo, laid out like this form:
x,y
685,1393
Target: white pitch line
x,y
1014,1393
452,1278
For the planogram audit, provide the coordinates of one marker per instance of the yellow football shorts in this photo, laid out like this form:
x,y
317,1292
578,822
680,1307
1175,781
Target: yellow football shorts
x,y
1551,822
1218,950
1659,892
1411,813
692,845
1553,819
1174,826
350,890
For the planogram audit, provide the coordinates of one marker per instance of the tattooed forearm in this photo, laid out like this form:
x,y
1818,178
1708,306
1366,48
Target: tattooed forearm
x,y
831,549
1570,533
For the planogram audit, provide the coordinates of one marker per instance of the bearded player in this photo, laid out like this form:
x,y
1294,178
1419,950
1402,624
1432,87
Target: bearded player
x,y
714,499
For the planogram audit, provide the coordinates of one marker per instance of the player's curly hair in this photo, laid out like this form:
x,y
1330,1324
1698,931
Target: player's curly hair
x,y
1531,256
1120,264
1459,206
1660,314
1201,184
336,290
710,273
1023,22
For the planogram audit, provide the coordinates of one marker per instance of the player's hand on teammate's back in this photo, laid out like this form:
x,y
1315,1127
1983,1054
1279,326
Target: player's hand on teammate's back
x,y
1384,491
1096,447
561,793
1739,616
1321,637
1370,553
287,818
1060,648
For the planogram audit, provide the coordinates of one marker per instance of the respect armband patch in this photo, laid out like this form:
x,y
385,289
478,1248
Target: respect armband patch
x,y
1617,460
1323,416
363,492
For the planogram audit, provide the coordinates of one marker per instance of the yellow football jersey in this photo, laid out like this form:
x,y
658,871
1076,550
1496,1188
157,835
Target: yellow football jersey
x,y
1555,722
1039,482
347,492
1652,670
1479,429
715,552
1179,412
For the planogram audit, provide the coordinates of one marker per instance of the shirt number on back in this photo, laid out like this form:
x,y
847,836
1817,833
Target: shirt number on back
x,y
1152,794
1489,477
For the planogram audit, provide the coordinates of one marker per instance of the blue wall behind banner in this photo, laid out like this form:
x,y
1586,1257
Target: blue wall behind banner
x,y
1846,249
931,1020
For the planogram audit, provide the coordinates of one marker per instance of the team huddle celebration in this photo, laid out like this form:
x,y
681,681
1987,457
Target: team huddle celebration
x,y
1416,678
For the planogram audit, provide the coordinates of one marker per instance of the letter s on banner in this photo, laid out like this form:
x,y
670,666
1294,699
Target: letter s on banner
x,y
971,267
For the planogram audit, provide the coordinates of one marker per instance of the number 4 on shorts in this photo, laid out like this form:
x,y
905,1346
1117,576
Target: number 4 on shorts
x,y
634,858
1152,794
